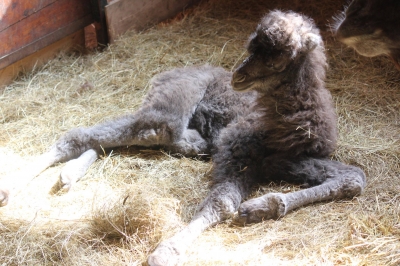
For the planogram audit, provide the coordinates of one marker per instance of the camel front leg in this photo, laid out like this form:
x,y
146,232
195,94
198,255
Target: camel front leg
x,y
220,204
344,182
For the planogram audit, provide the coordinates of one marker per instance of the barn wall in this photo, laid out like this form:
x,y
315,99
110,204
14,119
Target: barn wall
x,y
30,25
32,31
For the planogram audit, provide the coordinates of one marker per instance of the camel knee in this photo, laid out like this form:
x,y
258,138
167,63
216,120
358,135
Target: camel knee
x,y
354,182
190,144
220,204
216,209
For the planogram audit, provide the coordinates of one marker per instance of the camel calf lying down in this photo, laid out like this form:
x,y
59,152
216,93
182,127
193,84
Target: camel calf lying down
x,y
371,27
272,119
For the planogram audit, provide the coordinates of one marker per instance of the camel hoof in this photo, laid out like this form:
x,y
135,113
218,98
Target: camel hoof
x,y
70,174
164,255
65,182
4,197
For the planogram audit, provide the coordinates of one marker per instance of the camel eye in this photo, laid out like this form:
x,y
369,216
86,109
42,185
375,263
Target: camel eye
x,y
354,7
280,68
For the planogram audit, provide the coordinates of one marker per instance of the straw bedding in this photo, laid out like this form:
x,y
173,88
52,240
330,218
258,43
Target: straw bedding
x,y
132,198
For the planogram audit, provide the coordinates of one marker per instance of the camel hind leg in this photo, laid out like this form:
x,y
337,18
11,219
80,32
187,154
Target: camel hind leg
x,y
80,147
190,144
162,120
337,181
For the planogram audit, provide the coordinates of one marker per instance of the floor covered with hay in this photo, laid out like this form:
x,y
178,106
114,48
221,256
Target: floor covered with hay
x,y
132,198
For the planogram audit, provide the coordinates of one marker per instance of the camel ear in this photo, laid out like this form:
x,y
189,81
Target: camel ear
x,y
249,44
312,41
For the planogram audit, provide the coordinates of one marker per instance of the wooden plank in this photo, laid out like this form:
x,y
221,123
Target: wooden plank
x,y
9,73
122,15
49,19
13,11
42,42
50,24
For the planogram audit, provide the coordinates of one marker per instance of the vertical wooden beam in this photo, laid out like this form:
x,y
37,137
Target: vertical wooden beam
x,y
98,10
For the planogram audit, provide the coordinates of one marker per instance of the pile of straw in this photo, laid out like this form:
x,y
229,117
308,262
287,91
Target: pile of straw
x,y
131,199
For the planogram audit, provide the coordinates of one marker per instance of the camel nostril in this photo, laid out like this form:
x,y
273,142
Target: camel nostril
x,y
237,78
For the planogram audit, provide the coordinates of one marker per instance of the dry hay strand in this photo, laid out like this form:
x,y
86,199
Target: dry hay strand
x,y
375,236
107,218
152,208
131,199
138,220
32,243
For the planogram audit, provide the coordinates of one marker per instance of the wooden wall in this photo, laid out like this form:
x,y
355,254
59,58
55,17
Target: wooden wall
x,y
32,31
28,26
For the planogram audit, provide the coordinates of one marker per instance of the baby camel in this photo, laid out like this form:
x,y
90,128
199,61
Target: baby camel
x,y
277,123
